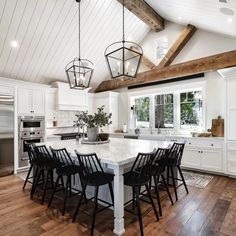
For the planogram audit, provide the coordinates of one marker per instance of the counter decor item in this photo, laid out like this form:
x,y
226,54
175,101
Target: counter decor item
x,y
93,122
217,128
201,134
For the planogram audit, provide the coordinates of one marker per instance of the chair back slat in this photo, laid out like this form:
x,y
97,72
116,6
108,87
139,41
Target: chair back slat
x,y
31,153
43,154
176,152
62,156
89,163
141,168
160,160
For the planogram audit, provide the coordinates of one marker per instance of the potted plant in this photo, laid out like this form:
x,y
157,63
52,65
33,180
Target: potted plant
x,y
93,122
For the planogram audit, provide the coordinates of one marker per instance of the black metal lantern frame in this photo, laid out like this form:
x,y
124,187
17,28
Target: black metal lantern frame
x,y
79,71
123,57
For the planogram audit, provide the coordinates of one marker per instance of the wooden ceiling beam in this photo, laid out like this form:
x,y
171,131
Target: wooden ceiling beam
x,y
205,64
175,49
144,12
145,60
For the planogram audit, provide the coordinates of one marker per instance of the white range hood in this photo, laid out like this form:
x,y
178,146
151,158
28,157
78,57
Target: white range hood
x,y
71,99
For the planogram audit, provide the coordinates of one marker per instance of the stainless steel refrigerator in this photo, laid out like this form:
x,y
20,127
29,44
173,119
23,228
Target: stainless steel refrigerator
x,y
6,135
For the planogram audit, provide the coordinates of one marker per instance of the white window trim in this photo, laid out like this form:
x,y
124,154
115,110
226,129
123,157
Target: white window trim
x,y
175,89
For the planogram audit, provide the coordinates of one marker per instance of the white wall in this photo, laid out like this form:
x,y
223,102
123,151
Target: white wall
x,y
202,44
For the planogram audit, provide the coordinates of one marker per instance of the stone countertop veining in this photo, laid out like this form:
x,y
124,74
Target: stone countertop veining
x,y
116,152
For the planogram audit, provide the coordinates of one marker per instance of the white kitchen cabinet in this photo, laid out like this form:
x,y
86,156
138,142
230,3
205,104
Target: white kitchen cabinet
x,y
191,158
30,101
110,101
51,104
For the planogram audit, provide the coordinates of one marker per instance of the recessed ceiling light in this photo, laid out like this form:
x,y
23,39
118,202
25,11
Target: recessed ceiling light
x,y
14,44
180,18
230,20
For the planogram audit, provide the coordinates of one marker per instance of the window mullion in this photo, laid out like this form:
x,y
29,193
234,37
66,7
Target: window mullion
x,y
176,112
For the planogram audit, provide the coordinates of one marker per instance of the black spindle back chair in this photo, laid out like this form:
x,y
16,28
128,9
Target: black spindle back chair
x,y
46,164
139,176
92,174
67,169
33,163
174,161
158,169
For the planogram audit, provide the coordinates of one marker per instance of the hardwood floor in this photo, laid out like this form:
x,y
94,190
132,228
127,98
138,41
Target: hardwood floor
x,y
209,211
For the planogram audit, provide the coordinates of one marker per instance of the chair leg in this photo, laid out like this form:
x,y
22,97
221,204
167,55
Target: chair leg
x,y
182,177
167,189
62,182
173,182
45,185
95,209
157,194
37,176
134,201
51,177
27,177
168,175
152,202
54,190
65,195
137,192
111,192
79,202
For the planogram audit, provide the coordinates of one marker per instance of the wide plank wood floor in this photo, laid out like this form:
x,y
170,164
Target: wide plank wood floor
x,y
209,211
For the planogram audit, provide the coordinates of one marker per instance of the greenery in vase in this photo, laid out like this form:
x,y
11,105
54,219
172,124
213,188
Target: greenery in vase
x,y
99,119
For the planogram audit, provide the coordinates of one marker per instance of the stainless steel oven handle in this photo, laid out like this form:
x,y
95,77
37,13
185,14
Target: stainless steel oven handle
x,y
24,159
25,139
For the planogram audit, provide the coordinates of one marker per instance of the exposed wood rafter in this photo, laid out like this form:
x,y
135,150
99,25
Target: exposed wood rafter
x,y
145,60
175,49
205,64
144,12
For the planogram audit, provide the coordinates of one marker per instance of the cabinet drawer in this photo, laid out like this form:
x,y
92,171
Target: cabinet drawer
x,y
204,144
232,167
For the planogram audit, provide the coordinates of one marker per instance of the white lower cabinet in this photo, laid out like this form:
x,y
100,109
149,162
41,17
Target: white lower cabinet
x,y
191,158
202,158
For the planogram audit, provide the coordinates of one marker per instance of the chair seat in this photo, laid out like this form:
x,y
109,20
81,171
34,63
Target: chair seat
x,y
99,178
68,170
132,179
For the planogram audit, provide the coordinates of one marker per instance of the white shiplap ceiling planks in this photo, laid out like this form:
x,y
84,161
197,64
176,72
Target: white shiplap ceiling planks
x,y
204,14
47,33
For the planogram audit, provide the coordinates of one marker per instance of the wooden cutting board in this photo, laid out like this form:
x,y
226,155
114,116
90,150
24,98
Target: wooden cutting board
x,y
217,128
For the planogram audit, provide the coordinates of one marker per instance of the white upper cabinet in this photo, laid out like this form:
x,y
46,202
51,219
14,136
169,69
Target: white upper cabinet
x,y
30,101
71,99
110,101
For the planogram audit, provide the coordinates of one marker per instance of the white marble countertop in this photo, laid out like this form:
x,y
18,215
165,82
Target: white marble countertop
x,y
6,135
116,152
163,136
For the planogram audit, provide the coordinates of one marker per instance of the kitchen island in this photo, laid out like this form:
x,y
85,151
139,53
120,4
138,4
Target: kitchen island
x,y
116,156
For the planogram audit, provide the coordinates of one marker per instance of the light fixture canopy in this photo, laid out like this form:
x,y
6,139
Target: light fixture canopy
x,y
79,71
123,57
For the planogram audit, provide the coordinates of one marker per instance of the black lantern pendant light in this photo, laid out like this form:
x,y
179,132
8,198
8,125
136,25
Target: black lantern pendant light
x,y
79,71
123,57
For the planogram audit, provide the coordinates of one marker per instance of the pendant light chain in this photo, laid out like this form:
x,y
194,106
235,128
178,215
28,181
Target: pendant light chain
x,y
123,21
79,27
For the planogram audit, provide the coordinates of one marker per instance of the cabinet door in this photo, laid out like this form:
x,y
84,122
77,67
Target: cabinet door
x,y
50,106
23,101
191,158
37,101
212,160
232,125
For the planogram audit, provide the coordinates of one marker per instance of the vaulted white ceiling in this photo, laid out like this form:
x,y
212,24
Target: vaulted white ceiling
x,y
204,14
47,34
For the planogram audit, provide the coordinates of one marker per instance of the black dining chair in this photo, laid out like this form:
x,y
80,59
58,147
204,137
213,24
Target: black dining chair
x,y
139,176
67,169
46,165
174,161
92,174
158,170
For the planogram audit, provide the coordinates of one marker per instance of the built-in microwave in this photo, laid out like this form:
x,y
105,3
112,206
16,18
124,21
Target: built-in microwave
x,y
31,123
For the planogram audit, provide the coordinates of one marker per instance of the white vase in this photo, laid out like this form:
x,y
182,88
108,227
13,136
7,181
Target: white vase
x,y
92,134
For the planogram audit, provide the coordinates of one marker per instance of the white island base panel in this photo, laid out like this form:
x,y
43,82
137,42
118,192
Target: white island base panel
x,y
116,156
